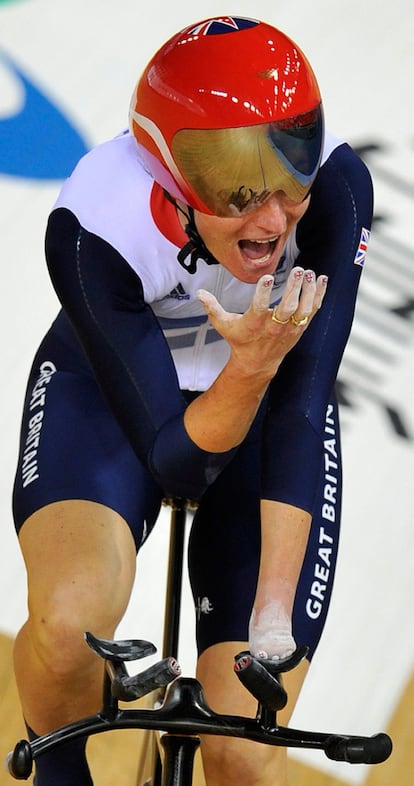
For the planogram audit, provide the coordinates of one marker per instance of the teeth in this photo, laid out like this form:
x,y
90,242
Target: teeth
x,y
267,240
264,258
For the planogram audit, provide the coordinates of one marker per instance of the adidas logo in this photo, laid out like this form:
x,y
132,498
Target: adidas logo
x,y
179,293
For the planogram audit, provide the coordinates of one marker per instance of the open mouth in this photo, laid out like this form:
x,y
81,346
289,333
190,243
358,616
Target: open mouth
x,y
258,250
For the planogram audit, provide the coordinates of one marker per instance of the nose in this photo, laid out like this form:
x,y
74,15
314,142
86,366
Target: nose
x,y
271,216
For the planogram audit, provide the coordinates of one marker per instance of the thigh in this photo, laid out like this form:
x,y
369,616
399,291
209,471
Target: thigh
x,y
80,559
72,448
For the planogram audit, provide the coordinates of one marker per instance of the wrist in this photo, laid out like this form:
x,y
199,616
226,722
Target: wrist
x,y
253,374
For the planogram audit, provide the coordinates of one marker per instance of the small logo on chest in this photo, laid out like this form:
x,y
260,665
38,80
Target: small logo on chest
x,y
179,293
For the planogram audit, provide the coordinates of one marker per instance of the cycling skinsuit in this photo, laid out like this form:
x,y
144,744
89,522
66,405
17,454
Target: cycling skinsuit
x,y
103,416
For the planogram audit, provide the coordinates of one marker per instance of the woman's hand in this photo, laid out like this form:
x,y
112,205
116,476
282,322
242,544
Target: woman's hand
x,y
260,338
219,419
270,630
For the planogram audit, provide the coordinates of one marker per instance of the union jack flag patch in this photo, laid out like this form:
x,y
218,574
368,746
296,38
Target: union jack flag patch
x,y
362,247
222,24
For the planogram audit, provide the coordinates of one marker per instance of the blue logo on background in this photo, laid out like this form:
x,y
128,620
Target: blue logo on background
x,y
38,142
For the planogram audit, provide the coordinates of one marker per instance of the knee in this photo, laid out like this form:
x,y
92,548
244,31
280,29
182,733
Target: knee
x,y
56,634
228,761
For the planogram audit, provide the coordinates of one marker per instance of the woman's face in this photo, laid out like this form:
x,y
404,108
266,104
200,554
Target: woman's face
x,y
251,246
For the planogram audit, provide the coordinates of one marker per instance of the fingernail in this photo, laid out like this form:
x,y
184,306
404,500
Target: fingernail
x,y
298,273
310,276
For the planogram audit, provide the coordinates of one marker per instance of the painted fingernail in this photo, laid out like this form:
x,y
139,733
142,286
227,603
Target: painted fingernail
x,y
298,273
310,276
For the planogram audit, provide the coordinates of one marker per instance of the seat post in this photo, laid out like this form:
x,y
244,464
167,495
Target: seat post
x,y
173,591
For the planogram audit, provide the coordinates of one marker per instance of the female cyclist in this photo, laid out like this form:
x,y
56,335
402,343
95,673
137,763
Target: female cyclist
x,y
207,261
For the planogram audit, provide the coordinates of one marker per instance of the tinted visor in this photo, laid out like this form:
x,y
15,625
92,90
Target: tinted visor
x,y
233,170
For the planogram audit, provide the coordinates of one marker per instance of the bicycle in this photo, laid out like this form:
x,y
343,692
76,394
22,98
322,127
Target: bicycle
x,y
180,713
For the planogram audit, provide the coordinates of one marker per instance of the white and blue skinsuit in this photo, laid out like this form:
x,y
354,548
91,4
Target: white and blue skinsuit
x,y
104,409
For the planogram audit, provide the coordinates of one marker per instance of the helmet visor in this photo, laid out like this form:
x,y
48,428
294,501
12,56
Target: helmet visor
x,y
233,170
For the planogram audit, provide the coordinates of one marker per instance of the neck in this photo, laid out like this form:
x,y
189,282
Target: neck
x,y
195,249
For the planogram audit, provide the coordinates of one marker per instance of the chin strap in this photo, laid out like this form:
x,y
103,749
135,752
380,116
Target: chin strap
x,y
195,249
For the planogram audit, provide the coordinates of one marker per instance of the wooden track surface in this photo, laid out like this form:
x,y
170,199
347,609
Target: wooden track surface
x,y
106,751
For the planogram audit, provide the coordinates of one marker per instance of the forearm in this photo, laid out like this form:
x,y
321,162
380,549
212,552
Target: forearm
x,y
285,532
220,418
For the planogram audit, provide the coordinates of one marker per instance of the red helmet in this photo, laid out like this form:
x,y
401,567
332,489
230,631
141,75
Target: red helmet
x,y
227,112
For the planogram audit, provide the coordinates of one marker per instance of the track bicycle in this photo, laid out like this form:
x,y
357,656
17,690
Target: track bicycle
x,y
180,713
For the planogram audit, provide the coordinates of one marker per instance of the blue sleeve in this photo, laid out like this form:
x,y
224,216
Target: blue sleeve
x,y
129,355
328,237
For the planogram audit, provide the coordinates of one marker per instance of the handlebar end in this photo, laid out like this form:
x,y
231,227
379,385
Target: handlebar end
x,y
359,750
20,761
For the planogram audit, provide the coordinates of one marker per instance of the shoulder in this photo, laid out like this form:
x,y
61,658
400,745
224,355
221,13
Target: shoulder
x,y
342,191
109,194
340,209
342,167
102,181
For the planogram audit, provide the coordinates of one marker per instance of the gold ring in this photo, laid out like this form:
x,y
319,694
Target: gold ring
x,y
299,322
278,321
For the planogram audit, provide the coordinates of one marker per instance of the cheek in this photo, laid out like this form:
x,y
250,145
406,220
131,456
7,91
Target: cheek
x,y
218,234
294,216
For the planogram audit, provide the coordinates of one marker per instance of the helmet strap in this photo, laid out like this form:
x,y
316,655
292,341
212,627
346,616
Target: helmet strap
x,y
195,249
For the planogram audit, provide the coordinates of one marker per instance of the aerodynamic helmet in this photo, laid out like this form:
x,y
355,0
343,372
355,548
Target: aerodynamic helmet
x,y
227,112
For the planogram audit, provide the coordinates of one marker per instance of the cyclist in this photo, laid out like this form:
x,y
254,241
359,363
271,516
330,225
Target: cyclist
x,y
207,261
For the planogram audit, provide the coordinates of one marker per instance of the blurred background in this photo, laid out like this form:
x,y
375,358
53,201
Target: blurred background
x,y
67,71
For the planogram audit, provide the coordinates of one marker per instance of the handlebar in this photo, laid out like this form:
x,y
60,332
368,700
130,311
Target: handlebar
x,y
263,677
260,683
185,711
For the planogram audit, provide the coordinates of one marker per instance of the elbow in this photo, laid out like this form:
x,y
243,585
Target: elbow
x,y
180,467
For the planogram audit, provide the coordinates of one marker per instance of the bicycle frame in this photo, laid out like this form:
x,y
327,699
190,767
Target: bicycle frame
x,y
184,715
178,752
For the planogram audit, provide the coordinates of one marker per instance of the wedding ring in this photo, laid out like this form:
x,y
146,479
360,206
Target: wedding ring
x,y
279,321
299,322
